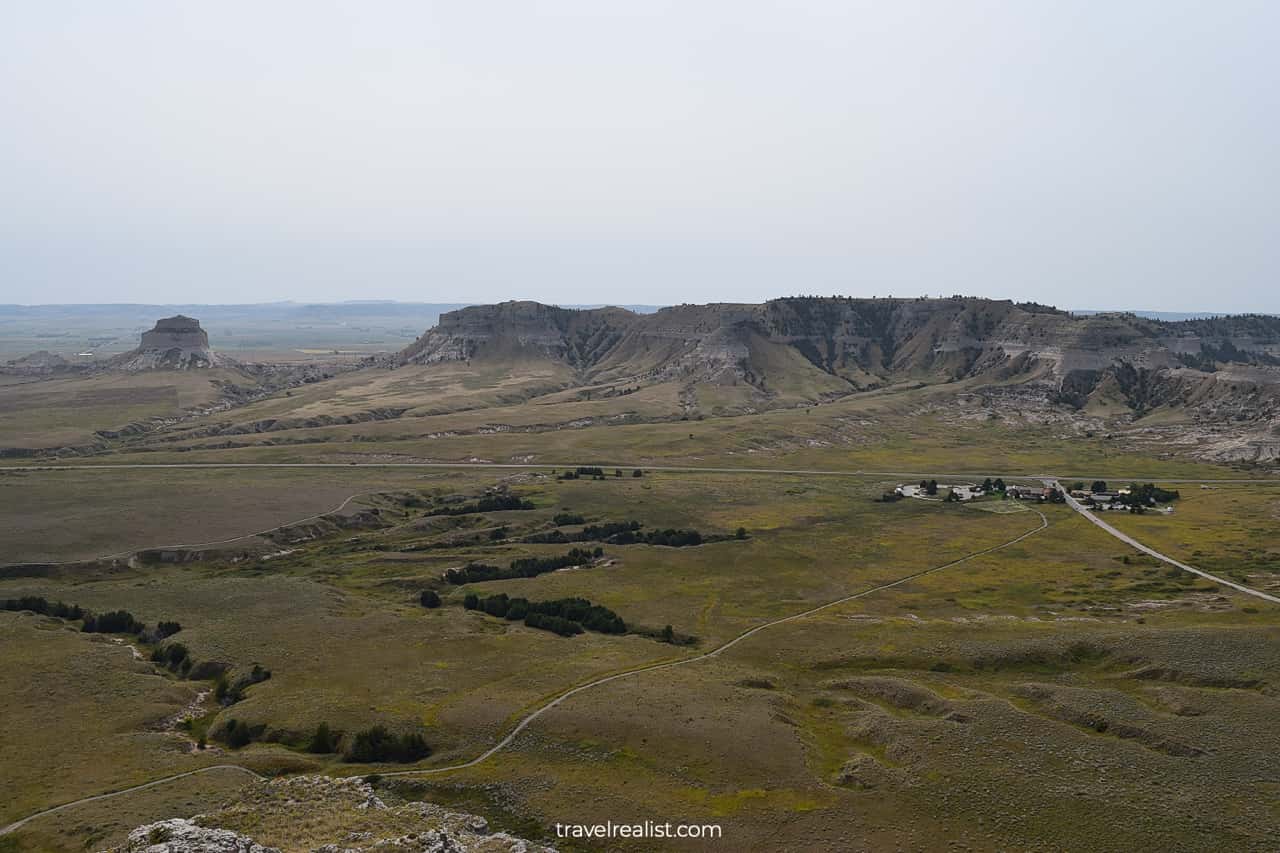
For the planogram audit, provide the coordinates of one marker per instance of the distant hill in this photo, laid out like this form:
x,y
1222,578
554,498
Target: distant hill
x,y
1158,315
272,330
814,348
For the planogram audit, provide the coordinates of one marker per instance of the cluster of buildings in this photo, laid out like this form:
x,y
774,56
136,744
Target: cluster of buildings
x,y
1042,494
968,491
1112,499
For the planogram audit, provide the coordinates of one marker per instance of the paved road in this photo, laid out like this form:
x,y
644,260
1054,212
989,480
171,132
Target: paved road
x,y
1129,540
547,706
544,466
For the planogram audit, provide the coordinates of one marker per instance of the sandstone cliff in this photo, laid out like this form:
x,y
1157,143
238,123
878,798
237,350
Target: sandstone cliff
x,y
174,343
852,344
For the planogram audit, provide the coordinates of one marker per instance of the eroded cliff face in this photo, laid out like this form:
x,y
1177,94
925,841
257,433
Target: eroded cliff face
x,y
174,343
864,342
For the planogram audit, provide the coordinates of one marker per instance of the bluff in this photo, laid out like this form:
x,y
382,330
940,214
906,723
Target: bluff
x,y
842,345
174,343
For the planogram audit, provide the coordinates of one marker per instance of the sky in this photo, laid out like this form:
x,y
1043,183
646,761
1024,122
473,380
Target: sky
x,y
1083,154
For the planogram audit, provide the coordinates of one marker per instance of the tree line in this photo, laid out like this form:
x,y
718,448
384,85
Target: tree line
x,y
111,622
488,503
564,616
522,567
628,533
374,745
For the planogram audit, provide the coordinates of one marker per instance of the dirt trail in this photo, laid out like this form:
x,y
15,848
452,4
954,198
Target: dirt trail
x,y
561,697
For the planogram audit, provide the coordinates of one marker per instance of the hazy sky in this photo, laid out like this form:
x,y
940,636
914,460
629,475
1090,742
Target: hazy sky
x,y
1087,154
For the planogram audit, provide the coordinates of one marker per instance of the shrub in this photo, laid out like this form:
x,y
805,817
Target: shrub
x,y
563,627
488,503
377,744
115,622
322,741
523,567
429,599
237,735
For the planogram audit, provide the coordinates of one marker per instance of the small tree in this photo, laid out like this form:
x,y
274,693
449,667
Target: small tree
x,y
741,534
429,599
322,741
637,473
237,734
931,488
1098,486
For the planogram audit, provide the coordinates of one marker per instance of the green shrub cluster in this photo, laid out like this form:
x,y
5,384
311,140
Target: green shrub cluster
x,y
377,744
488,503
523,567
550,615
229,692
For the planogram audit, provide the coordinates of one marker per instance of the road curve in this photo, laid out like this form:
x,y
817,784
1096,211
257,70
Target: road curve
x,y
537,712
1129,540
18,824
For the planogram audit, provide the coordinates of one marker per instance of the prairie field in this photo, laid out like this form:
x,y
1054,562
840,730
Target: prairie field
x,y
995,691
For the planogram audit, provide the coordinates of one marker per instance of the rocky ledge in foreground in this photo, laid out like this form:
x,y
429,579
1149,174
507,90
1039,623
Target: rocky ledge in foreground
x,y
323,815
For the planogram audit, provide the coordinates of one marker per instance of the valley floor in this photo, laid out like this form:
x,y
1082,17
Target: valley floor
x,y
1006,683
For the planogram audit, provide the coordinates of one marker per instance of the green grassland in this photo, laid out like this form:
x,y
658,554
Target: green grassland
x,y
828,728
1064,692
77,515
67,411
1232,530
454,412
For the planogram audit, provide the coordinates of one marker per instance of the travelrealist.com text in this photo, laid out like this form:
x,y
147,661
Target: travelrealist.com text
x,y
645,829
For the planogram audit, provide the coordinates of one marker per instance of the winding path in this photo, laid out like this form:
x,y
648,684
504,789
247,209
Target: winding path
x,y
539,711
18,824
556,700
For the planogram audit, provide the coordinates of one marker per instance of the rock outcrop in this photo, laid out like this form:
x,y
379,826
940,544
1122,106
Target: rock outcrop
x,y
41,363
179,835
175,343
324,815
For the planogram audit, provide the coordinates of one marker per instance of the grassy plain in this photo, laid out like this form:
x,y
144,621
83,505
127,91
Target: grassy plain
x,y
815,731
53,413
1065,692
